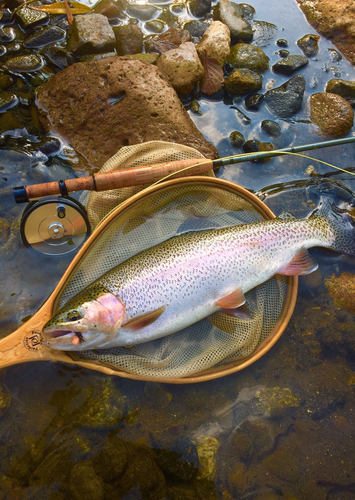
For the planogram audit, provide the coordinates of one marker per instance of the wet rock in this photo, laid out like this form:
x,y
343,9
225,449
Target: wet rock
x,y
129,39
199,8
331,113
252,439
345,88
215,42
6,81
170,39
24,64
287,99
271,128
111,462
244,55
290,64
7,101
282,42
142,98
58,56
276,402
109,9
85,483
253,101
195,107
181,67
147,58
342,290
334,55
263,33
50,146
309,45
5,394
45,36
182,461
236,139
155,26
143,12
242,81
334,20
7,34
196,28
248,11
231,14
30,18
283,53
90,34
254,146
41,76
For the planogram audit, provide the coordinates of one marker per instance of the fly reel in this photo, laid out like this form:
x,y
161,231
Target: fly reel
x,y
54,225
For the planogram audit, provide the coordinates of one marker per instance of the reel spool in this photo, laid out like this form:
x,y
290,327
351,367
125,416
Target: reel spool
x,y
55,225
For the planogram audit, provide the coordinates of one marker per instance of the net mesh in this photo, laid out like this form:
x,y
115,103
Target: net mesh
x,y
214,341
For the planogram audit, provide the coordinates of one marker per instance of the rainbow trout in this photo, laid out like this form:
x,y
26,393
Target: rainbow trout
x,y
191,276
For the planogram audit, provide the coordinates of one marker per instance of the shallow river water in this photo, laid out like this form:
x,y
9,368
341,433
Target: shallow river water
x,y
284,427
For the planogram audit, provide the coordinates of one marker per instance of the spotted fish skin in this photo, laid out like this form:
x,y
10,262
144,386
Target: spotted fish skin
x,y
188,277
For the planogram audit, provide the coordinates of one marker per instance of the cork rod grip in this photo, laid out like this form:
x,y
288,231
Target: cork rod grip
x,y
118,178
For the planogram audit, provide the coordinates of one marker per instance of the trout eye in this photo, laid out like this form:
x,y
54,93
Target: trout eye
x,y
73,315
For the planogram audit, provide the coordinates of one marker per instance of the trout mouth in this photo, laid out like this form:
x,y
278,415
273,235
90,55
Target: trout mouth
x,y
58,333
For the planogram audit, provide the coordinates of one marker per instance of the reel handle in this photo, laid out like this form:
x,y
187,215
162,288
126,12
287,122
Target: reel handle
x,y
116,179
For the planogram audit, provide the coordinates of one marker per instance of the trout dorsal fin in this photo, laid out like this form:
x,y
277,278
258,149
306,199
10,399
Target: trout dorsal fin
x,y
140,322
232,300
302,263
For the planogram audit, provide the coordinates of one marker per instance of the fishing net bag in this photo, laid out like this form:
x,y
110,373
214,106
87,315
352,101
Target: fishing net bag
x,y
216,345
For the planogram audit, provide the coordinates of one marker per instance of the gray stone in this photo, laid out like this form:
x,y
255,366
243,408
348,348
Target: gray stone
x,y
309,45
91,34
45,36
244,55
287,99
143,12
199,8
231,14
290,64
264,33
242,81
271,128
122,102
129,39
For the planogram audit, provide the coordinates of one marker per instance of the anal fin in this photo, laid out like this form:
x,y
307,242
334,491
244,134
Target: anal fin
x,y
302,263
233,300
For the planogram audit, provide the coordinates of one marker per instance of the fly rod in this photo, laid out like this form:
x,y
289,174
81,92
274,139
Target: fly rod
x,y
135,176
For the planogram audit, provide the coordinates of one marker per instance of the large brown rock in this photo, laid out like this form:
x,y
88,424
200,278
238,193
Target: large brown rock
x,y
334,20
100,106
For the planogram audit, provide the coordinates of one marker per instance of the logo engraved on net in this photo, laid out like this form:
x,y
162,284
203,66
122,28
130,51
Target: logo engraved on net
x,y
33,341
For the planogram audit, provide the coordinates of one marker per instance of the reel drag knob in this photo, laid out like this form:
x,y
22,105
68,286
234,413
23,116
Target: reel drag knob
x,y
54,226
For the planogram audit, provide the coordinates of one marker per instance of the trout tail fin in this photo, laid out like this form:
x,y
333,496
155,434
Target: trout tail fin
x,y
337,206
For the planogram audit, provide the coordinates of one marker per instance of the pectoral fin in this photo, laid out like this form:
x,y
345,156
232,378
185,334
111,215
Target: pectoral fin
x,y
302,263
241,312
232,300
140,322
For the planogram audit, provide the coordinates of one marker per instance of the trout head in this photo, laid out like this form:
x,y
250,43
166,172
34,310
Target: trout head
x,y
88,321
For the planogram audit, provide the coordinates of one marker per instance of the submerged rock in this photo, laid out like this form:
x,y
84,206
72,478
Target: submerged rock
x,y
200,8
45,36
181,67
276,401
91,34
331,113
242,81
24,64
5,399
122,102
85,483
236,139
287,99
342,290
244,55
271,128
111,462
231,14
253,101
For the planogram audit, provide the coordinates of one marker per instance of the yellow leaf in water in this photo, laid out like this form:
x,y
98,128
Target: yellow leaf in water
x,y
59,8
